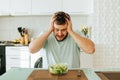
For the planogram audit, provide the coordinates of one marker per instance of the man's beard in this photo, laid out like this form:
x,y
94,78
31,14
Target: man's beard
x,y
62,39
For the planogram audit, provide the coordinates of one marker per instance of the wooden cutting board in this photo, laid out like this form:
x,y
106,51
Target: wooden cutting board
x,y
45,75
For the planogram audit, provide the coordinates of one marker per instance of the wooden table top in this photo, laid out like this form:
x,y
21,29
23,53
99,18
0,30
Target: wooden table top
x,y
45,75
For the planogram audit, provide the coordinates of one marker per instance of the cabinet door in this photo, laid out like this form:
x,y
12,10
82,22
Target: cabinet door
x,y
4,7
25,57
12,57
17,57
42,7
20,7
78,6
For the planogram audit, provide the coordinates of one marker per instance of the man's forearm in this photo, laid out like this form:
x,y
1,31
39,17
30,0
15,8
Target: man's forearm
x,y
38,43
85,44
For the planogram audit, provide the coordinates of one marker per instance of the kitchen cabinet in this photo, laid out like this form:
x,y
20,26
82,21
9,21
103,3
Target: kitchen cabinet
x,y
4,7
17,57
78,6
15,7
20,7
42,7
45,7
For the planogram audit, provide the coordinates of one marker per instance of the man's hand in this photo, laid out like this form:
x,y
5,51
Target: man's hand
x,y
69,28
52,24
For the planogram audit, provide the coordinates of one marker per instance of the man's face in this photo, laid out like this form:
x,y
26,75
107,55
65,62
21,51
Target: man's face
x,y
60,31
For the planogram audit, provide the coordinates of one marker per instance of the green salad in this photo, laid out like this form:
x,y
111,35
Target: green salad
x,y
58,68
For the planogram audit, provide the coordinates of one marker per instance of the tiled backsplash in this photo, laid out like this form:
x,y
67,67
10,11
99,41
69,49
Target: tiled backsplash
x,y
35,24
106,33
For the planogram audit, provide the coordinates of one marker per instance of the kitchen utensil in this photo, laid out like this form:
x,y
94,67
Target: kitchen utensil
x,y
79,74
23,30
20,30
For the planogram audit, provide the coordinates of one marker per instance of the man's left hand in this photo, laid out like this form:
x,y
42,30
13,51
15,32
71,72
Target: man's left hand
x,y
69,28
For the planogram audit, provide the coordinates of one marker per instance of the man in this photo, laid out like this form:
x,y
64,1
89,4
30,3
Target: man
x,y
61,43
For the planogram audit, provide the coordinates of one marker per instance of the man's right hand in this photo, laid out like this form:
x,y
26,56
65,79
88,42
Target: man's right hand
x,y
69,28
51,24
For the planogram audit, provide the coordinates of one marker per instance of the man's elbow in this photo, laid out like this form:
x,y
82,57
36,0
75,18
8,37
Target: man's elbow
x,y
32,50
91,51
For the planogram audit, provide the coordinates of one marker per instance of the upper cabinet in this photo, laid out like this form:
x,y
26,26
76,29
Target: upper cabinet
x,y
78,6
42,7
4,7
45,7
15,7
20,7
70,6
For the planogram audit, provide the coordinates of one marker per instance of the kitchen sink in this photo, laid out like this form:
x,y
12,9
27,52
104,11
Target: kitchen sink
x,y
109,75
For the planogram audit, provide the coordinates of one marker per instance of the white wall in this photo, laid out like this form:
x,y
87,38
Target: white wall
x,y
106,33
35,24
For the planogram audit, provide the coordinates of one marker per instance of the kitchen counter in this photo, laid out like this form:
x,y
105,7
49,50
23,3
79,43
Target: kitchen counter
x,y
12,45
107,69
23,73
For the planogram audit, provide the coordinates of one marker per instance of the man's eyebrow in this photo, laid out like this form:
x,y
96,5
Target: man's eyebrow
x,y
55,28
64,29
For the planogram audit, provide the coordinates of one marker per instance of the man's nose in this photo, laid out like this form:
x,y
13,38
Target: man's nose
x,y
60,33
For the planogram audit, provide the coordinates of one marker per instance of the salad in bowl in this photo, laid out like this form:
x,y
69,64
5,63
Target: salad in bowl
x,y
60,68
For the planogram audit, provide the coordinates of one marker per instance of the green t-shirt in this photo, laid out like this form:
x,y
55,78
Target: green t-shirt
x,y
66,51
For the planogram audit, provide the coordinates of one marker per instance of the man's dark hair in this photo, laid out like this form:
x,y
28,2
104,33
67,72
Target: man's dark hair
x,y
60,17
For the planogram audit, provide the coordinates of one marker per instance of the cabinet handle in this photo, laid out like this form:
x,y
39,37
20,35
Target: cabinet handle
x,y
14,58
